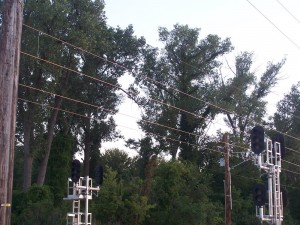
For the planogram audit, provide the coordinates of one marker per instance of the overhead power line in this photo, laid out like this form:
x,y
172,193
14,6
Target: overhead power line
x,y
119,87
274,25
288,11
250,178
129,71
110,84
112,111
294,164
162,137
99,80
109,110
290,171
290,149
89,117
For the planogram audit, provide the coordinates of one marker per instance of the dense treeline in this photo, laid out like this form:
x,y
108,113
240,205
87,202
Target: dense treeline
x,y
180,89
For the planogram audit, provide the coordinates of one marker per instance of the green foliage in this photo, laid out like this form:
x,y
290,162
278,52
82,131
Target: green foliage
x,y
143,190
120,203
286,120
39,194
36,207
41,213
244,94
120,162
18,164
293,203
105,207
189,65
181,195
59,166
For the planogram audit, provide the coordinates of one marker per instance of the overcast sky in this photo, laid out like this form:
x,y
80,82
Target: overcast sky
x,y
248,29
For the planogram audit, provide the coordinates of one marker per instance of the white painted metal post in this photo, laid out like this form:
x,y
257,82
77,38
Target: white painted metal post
x,y
261,213
270,194
86,200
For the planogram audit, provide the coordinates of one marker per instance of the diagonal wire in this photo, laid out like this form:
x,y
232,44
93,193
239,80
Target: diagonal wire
x,y
294,164
119,87
274,25
163,137
288,11
81,115
109,110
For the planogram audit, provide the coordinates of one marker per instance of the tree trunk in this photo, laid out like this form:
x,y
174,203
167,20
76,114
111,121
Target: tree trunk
x,y
28,159
87,148
51,125
10,39
86,161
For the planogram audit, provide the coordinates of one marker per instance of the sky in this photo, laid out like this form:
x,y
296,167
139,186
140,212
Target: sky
x,y
269,28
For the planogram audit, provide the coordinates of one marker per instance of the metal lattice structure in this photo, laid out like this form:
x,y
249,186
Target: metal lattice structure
x,y
78,192
270,161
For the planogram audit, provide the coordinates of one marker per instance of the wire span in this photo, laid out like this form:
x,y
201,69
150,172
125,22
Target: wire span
x,y
274,25
288,11
108,110
78,114
163,137
120,88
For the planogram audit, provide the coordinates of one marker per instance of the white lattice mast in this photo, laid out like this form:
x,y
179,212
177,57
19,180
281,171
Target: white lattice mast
x,y
268,155
81,189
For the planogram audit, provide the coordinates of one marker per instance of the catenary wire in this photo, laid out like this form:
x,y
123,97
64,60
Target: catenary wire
x,y
250,178
109,110
121,66
293,150
102,108
288,11
294,164
115,86
119,87
274,25
78,114
290,171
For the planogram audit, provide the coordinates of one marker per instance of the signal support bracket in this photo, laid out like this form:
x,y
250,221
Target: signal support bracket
x,y
270,161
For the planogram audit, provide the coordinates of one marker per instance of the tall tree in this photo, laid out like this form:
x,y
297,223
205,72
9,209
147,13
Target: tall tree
x,y
181,195
287,120
184,70
36,124
244,94
83,24
120,47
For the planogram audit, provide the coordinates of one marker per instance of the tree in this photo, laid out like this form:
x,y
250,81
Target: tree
x,y
287,120
81,23
288,110
120,162
183,71
120,201
36,125
120,46
59,167
36,207
181,195
244,95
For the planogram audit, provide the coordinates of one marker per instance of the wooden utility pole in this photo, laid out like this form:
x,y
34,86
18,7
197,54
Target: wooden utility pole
x,y
227,182
10,40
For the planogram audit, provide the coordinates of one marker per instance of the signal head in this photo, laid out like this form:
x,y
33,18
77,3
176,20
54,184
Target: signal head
x,y
257,139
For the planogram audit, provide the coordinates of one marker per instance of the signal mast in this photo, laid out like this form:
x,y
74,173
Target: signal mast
x,y
268,154
81,189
